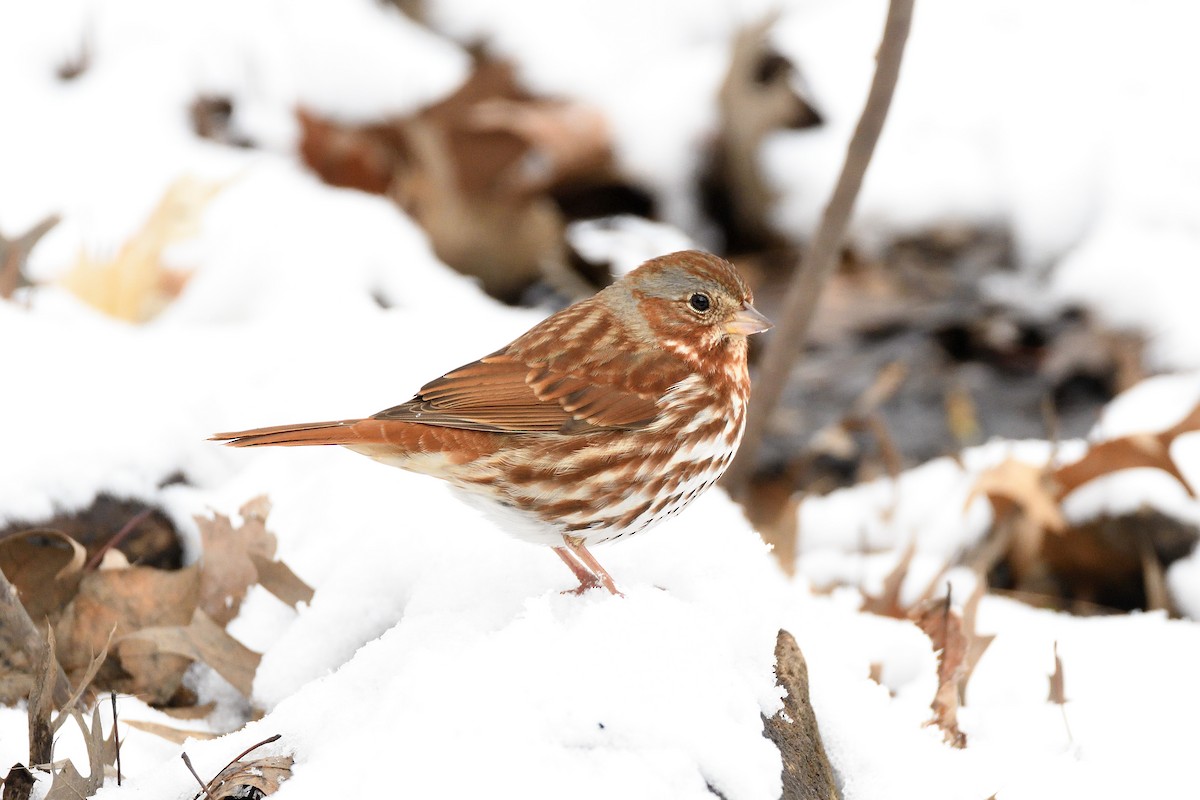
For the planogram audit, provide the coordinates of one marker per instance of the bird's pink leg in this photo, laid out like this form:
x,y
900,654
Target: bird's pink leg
x,y
598,573
587,580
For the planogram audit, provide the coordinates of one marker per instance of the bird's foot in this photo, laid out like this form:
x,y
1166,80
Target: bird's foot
x,y
591,575
595,583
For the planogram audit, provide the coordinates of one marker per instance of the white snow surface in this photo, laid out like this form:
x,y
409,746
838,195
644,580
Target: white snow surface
x,y
438,658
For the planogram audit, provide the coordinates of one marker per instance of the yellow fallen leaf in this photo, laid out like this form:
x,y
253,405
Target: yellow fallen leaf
x,y
134,285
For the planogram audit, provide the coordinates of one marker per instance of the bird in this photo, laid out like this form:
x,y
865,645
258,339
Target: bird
x,y
602,420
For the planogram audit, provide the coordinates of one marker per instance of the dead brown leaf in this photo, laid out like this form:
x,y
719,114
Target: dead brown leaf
x,y
363,158
84,682
234,559
1117,562
69,784
45,566
1138,450
262,774
278,579
474,171
887,602
15,252
227,570
239,779
121,602
176,735
1058,692
190,712
1142,450
139,530
943,625
202,639
565,140
1023,486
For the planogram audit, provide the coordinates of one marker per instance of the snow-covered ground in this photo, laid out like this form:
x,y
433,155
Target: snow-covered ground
x,y
437,658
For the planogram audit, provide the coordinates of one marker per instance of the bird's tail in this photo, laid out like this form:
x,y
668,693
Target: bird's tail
x,y
342,432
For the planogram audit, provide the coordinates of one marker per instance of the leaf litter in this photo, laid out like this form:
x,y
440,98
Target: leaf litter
x,y
133,629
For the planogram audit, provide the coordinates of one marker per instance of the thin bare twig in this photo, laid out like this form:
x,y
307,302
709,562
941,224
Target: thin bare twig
x,y
112,696
822,256
203,786
233,761
252,748
117,538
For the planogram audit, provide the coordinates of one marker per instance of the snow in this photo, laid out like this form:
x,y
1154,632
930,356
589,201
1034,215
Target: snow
x,y
437,657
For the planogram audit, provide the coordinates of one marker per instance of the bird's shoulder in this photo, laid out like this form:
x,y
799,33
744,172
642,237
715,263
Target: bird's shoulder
x,y
581,370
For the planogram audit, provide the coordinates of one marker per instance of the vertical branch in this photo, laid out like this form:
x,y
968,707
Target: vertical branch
x,y
822,256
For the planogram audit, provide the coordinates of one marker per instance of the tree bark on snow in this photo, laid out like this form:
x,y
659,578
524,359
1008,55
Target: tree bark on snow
x,y
807,774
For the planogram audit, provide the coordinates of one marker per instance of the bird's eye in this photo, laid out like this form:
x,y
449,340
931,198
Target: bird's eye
x,y
700,302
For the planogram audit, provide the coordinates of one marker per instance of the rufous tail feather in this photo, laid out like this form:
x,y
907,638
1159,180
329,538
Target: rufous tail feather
x,y
343,432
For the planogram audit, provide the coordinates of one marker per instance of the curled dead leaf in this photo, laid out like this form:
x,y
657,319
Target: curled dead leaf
x,y
45,566
240,778
262,774
943,625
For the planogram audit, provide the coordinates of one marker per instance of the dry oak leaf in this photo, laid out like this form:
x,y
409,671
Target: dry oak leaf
x,y
69,784
1017,484
1126,452
943,625
142,652
122,601
227,568
234,559
263,774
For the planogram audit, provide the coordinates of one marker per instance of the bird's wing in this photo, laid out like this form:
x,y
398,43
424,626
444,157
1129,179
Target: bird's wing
x,y
539,384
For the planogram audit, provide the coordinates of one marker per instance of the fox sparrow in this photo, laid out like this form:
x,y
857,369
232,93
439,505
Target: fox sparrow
x,y
602,420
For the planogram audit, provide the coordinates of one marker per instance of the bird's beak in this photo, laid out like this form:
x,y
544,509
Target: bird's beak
x,y
747,321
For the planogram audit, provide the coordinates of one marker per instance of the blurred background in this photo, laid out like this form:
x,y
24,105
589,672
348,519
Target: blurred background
x,y
1025,246
216,215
